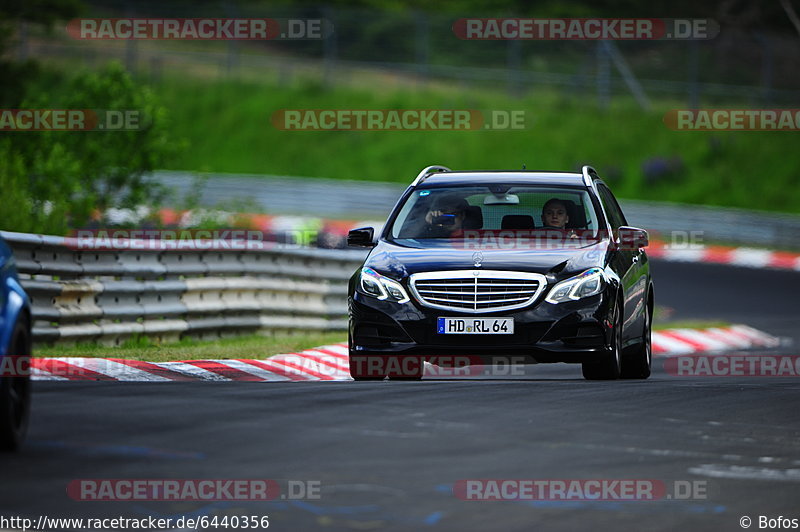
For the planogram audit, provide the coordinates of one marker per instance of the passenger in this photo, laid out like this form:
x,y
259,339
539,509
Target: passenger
x,y
556,216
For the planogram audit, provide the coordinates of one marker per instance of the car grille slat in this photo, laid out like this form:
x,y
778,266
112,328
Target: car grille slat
x,y
493,301
449,284
477,290
470,301
429,291
511,285
506,292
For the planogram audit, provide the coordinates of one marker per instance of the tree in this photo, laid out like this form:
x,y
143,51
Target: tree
x,y
58,178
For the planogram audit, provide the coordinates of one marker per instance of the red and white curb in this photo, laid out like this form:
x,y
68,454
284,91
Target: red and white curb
x,y
329,363
742,256
319,364
713,339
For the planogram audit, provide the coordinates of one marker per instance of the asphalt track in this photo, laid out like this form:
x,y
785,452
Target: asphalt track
x,y
388,454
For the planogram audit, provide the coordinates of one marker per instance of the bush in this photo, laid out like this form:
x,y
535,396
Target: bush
x,y
58,178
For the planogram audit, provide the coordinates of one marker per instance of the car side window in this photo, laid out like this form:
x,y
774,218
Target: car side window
x,y
610,205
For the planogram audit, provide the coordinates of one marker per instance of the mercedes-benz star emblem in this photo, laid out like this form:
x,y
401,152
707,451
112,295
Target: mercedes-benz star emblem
x,y
477,259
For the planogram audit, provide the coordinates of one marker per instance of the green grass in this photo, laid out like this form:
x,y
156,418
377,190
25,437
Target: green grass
x,y
662,320
228,127
247,347
257,347
688,324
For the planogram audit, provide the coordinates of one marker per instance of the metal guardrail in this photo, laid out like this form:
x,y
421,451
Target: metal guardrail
x,y
108,296
342,198
715,224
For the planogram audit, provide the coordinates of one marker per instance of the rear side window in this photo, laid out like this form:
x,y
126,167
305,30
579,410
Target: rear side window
x,y
610,205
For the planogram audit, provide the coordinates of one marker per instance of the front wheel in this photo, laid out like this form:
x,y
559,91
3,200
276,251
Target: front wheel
x,y
638,364
15,390
366,368
609,365
405,368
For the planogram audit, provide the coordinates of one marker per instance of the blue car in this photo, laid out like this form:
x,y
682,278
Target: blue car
x,y
15,353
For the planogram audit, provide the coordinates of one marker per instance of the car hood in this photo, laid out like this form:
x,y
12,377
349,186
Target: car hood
x,y
400,261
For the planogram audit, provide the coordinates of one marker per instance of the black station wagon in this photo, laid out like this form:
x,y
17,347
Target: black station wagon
x,y
539,266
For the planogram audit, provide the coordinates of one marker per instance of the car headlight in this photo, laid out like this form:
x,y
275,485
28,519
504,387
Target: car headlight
x,y
374,284
589,283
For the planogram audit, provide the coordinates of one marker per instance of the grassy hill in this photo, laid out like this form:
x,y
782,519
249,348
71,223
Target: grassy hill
x,y
228,128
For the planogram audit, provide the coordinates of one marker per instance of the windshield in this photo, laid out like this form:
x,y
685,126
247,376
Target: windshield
x,y
497,215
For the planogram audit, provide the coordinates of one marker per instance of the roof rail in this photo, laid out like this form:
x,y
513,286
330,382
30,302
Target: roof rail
x,y
428,170
588,172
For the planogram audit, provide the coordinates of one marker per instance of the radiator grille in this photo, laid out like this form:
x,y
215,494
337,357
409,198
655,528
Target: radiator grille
x,y
477,290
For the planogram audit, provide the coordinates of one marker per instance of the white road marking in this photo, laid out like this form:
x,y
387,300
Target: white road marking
x,y
746,472
115,370
710,343
671,345
253,370
191,370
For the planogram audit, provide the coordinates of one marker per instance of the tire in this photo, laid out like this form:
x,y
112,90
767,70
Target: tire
x,y
637,365
609,367
364,367
15,392
406,368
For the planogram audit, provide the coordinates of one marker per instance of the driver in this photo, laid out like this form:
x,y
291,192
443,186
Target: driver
x,y
445,217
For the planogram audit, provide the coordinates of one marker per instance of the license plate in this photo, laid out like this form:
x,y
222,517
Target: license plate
x,y
475,326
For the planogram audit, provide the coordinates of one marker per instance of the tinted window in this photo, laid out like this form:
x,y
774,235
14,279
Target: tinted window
x,y
516,208
610,205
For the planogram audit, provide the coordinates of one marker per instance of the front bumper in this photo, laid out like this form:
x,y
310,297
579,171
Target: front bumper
x,y
576,331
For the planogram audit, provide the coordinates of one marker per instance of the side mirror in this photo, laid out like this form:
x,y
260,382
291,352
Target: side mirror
x,y
361,237
632,238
